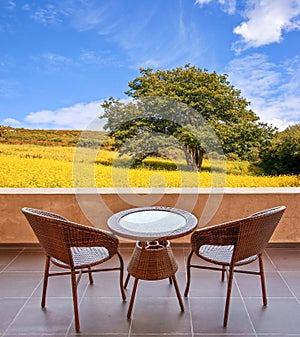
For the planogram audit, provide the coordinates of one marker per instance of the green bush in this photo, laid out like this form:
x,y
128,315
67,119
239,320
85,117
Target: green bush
x,y
282,156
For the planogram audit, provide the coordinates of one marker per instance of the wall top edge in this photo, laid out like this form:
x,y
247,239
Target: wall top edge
x,y
253,190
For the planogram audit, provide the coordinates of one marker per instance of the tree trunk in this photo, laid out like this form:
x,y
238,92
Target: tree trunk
x,y
189,157
199,158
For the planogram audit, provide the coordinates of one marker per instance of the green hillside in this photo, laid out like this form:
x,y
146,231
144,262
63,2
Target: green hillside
x,y
9,135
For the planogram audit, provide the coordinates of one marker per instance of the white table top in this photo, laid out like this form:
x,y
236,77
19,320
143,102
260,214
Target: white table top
x,y
152,223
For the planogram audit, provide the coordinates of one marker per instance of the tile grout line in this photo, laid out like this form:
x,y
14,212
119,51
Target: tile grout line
x,y
189,303
283,279
191,319
4,269
244,304
22,307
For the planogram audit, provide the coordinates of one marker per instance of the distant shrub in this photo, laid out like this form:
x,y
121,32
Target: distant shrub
x,y
282,156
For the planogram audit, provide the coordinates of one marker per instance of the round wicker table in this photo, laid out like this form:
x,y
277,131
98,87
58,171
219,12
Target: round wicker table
x,y
152,228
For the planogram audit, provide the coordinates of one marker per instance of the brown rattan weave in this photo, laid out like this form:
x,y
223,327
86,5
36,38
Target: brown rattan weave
x,y
232,244
72,246
153,262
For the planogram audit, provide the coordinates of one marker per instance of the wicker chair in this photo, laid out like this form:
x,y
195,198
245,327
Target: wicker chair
x,y
72,246
233,244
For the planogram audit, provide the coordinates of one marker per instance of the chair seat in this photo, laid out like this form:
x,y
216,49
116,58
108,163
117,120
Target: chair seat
x,y
85,256
222,255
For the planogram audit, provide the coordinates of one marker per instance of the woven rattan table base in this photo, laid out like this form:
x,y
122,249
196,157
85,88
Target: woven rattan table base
x,y
152,261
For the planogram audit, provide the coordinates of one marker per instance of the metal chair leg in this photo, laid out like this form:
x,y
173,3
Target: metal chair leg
x,y
229,287
75,301
262,280
46,276
121,276
188,274
223,273
90,275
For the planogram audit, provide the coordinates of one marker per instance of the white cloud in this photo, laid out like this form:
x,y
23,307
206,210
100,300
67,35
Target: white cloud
x,y
273,90
11,5
267,20
8,5
11,122
76,117
83,15
203,2
280,124
26,7
88,16
254,73
228,6
49,15
3,64
99,58
56,59
53,61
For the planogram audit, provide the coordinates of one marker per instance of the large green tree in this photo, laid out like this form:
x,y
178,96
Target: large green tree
x,y
209,95
156,125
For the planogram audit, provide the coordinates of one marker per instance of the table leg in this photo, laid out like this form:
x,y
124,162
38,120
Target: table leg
x,y
177,292
136,280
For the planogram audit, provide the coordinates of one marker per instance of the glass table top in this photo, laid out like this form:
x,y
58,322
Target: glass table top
x,y
151,223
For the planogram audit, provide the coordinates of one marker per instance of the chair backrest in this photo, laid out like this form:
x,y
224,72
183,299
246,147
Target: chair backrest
x,y
49,230
255,232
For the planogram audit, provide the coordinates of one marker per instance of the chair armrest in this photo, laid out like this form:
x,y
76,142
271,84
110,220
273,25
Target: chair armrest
x,y
218,235
267,211
44,213
78,235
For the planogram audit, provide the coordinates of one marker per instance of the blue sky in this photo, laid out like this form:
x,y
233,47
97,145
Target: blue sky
x,y
60,59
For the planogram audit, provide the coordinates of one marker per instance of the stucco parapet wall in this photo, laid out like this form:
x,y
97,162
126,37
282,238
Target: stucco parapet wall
x,y
246,190
94,206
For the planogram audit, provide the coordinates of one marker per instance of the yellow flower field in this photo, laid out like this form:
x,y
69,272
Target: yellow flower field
x,y
53,166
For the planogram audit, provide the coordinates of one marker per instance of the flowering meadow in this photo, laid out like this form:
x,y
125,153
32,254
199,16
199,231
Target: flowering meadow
x,y
37,166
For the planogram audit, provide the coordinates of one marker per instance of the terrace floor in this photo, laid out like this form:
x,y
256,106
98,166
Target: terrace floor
x,y
156,311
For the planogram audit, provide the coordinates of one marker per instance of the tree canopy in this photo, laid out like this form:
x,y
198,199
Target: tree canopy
x,y
208,95
282,155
